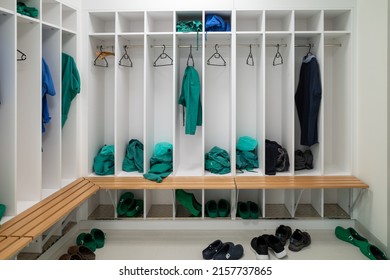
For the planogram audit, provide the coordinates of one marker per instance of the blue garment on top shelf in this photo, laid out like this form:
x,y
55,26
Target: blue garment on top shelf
x,y
216,23
47,88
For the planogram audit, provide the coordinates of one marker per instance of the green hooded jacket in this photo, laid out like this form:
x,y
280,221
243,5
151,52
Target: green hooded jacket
x,y
70,84
190,98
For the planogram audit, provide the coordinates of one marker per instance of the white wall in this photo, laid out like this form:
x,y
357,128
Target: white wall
x,y
372,144
388,132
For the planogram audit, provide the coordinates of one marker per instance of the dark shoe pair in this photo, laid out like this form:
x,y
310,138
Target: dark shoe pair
x,y
223,251
350,235
217,209
78,253
248,210
283,233
189,202
299,240
259,246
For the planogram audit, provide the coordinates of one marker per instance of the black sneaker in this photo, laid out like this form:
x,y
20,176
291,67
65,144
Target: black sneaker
x,y
283,233
275,244
299,240
209,252
229,251
259,246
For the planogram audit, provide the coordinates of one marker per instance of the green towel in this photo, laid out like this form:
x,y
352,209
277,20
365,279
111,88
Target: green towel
x,y
104,161
246,154
161,163
217,161
21,8
134,158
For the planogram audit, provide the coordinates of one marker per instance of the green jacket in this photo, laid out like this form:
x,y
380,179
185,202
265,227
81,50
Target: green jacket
x,y
134,158
217,161
104,163
190,98
161,163
70,84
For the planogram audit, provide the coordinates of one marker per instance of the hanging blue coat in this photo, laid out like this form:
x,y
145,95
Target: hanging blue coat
x,y
47,88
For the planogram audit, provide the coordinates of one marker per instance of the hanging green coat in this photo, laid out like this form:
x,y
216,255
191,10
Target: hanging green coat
x,y
190,98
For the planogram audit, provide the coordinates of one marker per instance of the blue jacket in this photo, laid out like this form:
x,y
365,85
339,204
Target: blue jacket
x,y
47,88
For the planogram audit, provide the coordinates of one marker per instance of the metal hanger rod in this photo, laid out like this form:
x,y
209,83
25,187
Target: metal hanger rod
x,y
246,45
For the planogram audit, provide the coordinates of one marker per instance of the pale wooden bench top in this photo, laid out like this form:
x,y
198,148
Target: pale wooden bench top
x,y
299,182
185,182
10,246
40,217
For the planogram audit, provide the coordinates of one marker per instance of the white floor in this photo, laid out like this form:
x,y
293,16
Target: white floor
x,y
188,245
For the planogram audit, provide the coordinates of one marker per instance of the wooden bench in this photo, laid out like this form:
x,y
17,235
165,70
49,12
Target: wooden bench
x,y
10,246
36,220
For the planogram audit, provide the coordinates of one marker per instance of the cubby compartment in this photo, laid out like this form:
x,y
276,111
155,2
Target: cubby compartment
x,y
225,16
279,93
279,204
278,21
51,138
69,18
101,95
304,45
338,100
248,197
159,90
223,199
189,158
249,21
187,204
308,21
250,96
159,204
8,119
217,99
7,6
189,19
29,115
34,4
130,107
131,22
101,22
337,203
51,12
337,20
69,151
159,22
308,203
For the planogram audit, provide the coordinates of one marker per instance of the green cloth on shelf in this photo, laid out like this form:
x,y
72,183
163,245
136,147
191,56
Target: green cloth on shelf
x,y
189,26
161,163
246,154
104,163
134,158
217,161
21,8
70,84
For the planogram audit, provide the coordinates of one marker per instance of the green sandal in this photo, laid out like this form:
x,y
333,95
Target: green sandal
x,y
99,236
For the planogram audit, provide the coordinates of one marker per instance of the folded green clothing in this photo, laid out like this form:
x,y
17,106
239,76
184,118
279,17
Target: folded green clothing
x,y
134,158
217,161
21,8
104,161
189,26
161,163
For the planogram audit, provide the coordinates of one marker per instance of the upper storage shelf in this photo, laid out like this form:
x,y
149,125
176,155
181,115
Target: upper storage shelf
x,y
69,18
131,22
102,22
159,22
249,21
308,21
51,11
337,20
278,21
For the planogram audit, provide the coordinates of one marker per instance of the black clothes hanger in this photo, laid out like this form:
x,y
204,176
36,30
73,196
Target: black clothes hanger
x,y
217,56
22,56
278,56
125,57
249,59
309,53
190,57
100,56
163,56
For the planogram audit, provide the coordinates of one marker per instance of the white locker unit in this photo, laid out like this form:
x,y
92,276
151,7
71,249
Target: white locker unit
x,y
35,164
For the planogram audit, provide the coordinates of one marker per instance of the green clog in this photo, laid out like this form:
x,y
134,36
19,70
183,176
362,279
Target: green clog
x,y
253,210
87,240
212,209
350,235
223,207
136,209
188,200
242,210
99,236
372,252
126,201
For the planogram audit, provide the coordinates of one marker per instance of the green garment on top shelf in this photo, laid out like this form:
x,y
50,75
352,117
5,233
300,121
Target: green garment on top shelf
x,y
70,84
161,163
189,26
134,158
104,163
246,154
21,8
217,161
190,98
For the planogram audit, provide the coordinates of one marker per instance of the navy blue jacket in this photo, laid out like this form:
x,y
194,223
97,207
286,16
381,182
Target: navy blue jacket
x,y
308,100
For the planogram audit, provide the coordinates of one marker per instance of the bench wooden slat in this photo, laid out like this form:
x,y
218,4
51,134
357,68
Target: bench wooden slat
x,y
56,212
185,182
40,209
298,182
10,246
27,212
